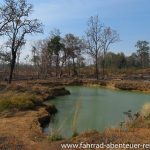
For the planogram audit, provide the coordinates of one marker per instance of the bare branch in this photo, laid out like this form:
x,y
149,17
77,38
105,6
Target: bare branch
x,y
15,25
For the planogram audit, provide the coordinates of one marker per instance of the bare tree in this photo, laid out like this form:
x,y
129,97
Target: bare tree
x,y
41,58
45,58
93,40
18,26
36,58
4,58
5,17
108,37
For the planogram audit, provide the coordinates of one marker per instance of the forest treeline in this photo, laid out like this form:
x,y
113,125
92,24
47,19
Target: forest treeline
x,y
69,56
62,56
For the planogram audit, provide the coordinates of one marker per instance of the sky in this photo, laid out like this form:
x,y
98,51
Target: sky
x,y
130,18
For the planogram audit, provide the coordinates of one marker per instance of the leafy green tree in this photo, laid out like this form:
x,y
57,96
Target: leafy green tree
x,y
73,45
121,61
143,52
55,45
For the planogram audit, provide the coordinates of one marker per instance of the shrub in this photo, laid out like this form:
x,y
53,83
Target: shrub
x,y
75,134
5,104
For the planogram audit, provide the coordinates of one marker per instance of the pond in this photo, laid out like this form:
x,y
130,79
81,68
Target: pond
x,y
89,108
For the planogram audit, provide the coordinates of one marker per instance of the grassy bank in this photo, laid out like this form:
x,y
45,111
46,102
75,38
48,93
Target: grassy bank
x,y
26,96
20,101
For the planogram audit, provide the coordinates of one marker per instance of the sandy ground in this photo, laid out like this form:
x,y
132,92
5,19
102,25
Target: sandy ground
x,y
23,132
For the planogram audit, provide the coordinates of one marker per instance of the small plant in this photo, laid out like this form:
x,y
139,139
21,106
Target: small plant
x,y
129,114
122,124
55,135
75,134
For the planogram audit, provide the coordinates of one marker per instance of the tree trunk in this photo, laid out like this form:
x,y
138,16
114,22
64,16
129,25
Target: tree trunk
x,y
74,68
50,66
96,69
69,69
103,67
57,65
12,66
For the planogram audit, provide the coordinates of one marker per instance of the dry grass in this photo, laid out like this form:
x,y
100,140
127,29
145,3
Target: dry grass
x,y
144,120
10,143
133,85
55,135
145,109
21,101
23,95
76,117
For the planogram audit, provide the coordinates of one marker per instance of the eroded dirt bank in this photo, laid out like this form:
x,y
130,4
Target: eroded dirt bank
x,y
22,117
23,127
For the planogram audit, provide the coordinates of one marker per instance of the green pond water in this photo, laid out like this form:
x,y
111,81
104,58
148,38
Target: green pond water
x,y
95,108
